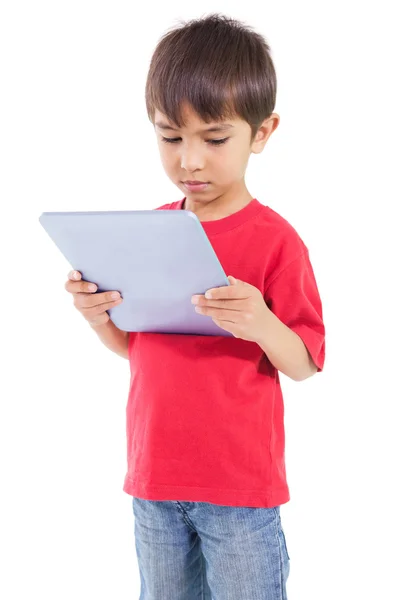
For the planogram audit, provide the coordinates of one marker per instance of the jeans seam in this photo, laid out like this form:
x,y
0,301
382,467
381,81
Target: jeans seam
x,y
185,517
203,573
281,585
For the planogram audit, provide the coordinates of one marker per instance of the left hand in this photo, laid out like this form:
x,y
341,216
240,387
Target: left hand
x,y
238,308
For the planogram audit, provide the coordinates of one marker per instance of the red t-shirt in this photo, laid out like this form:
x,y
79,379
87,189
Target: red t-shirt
x,y
205,414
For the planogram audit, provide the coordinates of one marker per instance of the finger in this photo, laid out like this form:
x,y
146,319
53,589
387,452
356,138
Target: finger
x,y
74,275
91,300
228,291
80,287
86,287
230,303
219,313
100,308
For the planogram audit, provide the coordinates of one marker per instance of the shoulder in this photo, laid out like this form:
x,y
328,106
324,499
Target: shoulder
x,y
281,251
282,241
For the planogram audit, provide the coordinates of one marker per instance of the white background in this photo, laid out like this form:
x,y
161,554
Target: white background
x,y
74,135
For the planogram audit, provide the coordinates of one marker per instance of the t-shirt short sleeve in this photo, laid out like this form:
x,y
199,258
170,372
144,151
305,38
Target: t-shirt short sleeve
x,y
294,298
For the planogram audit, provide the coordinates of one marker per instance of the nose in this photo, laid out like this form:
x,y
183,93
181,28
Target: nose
x,y
191,159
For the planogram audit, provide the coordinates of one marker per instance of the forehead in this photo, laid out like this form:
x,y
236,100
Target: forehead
x,y
193,122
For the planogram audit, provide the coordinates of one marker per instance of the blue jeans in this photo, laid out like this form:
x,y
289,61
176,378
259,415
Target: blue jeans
x,y
204,551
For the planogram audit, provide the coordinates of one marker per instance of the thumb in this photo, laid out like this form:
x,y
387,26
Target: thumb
x,y
232,280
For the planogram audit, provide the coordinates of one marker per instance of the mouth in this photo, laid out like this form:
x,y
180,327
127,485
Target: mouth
x,y
195,182
196,186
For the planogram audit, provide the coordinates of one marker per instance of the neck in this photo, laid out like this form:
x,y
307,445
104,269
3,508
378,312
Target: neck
x,y
217,208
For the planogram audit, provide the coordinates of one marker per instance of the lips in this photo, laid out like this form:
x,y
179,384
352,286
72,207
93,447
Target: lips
x,y
197,187
195,182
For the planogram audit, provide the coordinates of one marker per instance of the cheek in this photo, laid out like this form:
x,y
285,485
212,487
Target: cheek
x,y
228,165
167,159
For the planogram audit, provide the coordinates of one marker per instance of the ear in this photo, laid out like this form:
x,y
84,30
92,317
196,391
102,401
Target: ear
x,y
266,129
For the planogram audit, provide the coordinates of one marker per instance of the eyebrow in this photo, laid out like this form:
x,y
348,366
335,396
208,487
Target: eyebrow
x,y
223,127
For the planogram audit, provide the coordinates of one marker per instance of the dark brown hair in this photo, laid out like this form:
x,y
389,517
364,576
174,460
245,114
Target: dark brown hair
x,y
220,66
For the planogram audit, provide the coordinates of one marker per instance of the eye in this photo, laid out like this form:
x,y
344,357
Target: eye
x,y
212,142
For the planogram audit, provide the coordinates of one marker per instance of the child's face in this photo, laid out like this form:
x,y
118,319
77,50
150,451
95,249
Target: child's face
x,y
194,156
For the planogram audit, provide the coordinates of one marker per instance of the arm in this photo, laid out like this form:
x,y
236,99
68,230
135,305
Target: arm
x,y
285,349
113,338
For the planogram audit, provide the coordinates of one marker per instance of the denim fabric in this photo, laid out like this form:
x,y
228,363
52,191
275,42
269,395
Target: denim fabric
x,y
204,551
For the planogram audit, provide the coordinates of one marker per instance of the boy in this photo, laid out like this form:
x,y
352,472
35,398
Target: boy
x,y
205,431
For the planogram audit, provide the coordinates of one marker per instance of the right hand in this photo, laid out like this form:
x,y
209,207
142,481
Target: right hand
x,y
92,306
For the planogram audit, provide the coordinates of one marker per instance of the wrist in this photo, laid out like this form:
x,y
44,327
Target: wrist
x,y
265,326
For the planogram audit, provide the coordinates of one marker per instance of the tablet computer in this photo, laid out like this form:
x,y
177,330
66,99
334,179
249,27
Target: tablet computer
x,y
156,259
